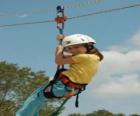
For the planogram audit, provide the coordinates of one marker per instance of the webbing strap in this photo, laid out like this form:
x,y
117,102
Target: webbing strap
x,y
77,101
56,113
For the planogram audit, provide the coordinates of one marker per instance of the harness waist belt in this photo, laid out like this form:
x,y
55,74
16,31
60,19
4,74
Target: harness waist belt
x,y
64,79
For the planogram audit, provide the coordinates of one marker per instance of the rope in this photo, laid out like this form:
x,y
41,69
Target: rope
x,y
74,17
60,26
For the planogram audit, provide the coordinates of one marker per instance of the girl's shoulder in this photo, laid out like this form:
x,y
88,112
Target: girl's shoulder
x,y
80,57
94,56
85,57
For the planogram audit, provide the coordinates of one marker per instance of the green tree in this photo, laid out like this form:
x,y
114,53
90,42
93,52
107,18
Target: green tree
x,y
16,84
76,114
134,115
102,113
120,114
98,113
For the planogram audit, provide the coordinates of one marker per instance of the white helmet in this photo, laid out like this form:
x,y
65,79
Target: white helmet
x,y
77,39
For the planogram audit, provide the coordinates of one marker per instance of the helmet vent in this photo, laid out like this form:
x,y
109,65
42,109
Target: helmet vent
x,y
82,39
68,42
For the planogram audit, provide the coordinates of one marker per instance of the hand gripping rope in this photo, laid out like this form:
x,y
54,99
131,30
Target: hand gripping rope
x,y
60,19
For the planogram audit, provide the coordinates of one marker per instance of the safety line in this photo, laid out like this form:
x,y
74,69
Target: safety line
x,y
74,17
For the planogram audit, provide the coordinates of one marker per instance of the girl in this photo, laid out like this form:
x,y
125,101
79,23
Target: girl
x,y
83,59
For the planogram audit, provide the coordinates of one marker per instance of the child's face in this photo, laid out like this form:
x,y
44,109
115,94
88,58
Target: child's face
x,y
76,49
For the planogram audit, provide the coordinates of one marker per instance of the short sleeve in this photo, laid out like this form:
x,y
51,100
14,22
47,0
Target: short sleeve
x,y
80,58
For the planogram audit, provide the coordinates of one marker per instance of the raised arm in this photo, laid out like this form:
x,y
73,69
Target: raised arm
x,y
60,59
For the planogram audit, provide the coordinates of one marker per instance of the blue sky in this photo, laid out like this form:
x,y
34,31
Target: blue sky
x,y
117,84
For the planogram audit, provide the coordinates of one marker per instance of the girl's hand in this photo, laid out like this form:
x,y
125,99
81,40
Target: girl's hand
x,y
59,48
59,59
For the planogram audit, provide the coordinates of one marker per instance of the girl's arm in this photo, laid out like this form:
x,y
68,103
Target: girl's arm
x,y
60,59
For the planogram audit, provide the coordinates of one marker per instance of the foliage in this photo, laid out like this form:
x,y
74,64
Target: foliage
x,y
101,113
134,115
16,84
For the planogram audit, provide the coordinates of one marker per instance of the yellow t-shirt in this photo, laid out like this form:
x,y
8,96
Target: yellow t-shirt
x,y
84,68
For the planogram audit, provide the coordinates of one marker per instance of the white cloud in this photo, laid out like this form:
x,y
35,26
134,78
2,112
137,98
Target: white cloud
x,y
120,63
119,74
132,44
119,48
136,39
126,85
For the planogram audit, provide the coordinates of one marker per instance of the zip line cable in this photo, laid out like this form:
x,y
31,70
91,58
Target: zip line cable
x,y
26,23
39,11
106,11
74,17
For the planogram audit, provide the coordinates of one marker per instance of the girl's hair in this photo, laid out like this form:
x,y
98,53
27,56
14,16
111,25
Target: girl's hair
x,y
91,49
